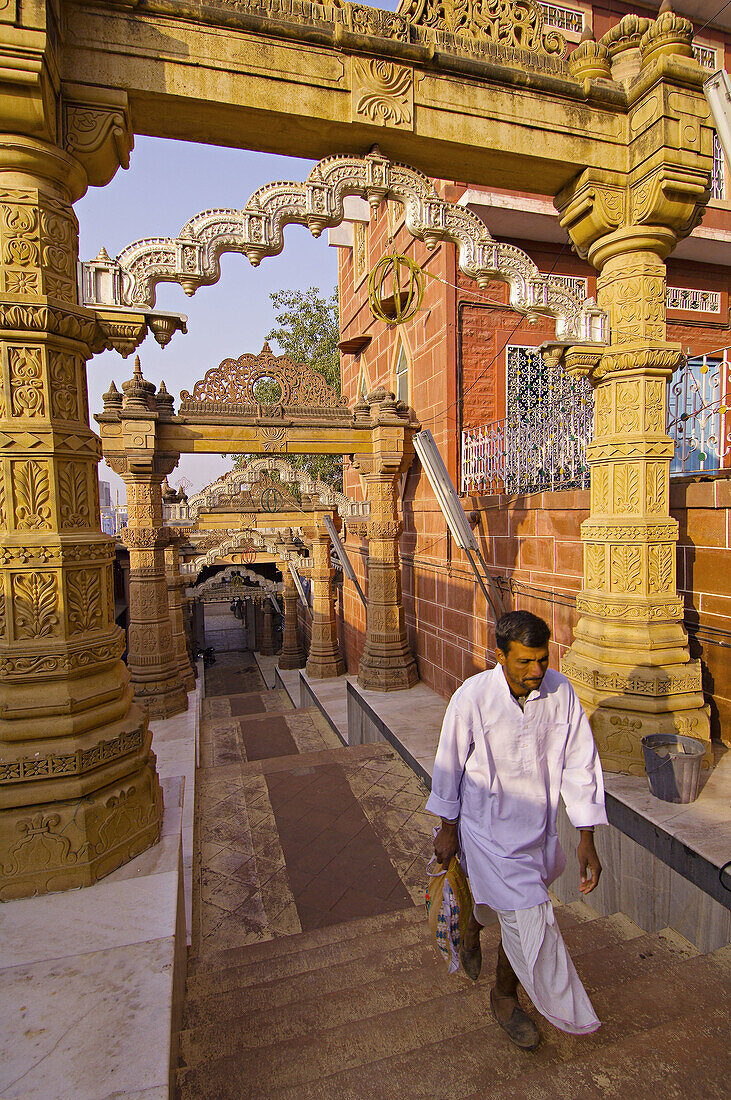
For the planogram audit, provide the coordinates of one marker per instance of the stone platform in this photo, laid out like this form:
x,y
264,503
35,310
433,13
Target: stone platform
x,y
91,980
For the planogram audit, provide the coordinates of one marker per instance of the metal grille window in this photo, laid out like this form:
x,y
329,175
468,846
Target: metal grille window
x,y
693,301
698,415
718,179
705,56
576,283
541,443
402,377
565,19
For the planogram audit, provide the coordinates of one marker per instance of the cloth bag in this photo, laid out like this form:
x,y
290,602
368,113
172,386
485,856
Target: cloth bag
x,y
448,907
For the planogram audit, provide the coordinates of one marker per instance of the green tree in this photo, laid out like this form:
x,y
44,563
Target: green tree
x,y
307,329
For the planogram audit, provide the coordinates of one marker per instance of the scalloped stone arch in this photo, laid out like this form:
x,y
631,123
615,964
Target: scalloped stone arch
x,y
193,258
234,483
224,577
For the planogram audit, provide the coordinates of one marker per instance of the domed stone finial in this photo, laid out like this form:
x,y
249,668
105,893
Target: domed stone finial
x,y
590,59
112,399
138,393
103,255
669,35
266,350
164,400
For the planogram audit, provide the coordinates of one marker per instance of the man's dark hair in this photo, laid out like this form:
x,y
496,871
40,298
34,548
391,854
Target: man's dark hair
x,y
523,627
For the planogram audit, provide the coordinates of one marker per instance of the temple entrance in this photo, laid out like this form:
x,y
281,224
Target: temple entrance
x,y
630,175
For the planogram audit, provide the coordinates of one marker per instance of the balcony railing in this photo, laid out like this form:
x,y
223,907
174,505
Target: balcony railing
x,y
545,448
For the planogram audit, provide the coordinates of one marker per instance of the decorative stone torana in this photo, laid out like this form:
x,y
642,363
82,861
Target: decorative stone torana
x,y
232,387
630,662
234,484
192,259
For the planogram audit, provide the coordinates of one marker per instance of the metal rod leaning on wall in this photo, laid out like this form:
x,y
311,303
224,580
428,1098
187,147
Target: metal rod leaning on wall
x,y
343,557
453,512
299,586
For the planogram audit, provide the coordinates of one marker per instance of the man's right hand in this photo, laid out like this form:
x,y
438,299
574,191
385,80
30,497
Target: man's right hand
x,y
446,843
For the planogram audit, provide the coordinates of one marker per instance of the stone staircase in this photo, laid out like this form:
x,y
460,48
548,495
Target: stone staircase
x,y
364,1007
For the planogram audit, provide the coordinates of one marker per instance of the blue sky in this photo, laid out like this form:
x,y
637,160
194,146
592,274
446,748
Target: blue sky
x,y
166,184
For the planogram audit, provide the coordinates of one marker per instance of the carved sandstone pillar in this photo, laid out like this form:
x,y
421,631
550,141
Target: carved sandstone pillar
x,y
175,585
324,659
268,649
292,655
79,793
630,662
387,663
151,658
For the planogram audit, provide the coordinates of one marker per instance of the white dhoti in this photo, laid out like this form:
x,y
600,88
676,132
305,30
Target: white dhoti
x,y
536,951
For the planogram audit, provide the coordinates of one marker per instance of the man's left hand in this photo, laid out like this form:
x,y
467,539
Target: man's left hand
x,y
589,866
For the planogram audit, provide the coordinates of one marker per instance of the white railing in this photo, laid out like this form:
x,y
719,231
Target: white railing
x,y
505,458
698,415
545,450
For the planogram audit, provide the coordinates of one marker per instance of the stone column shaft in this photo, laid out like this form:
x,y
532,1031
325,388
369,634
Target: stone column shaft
x,y
151,657
387,663
324,659
268,648
79,793
176,584
292,655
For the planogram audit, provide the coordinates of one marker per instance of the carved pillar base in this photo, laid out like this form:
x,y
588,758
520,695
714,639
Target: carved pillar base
x,y
292,654
66,844
324,660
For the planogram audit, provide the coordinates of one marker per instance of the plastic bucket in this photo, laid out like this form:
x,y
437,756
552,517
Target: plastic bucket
x,y
673,766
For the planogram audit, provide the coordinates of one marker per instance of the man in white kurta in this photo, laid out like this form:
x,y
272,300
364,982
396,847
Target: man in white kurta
x,y
514,740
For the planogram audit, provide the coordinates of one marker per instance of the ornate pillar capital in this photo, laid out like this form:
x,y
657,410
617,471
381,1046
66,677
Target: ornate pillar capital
x,y
96,130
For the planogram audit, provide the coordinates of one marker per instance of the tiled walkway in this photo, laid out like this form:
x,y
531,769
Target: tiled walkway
x,y
295,831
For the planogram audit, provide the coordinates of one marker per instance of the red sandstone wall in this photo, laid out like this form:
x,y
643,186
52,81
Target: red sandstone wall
x,y
532,541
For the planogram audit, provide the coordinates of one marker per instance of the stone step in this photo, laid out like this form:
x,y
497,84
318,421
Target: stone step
x,y
684,1057
260,1071
483,1064
243,973
324,998
296,1061
384,961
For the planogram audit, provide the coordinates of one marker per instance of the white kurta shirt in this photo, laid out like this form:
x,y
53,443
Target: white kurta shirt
x,y
500,769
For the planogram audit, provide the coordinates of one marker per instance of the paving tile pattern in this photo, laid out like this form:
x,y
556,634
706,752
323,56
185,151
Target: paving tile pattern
x,y
312,972
284,843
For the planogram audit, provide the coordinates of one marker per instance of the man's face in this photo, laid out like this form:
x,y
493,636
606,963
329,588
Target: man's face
x,y
524,666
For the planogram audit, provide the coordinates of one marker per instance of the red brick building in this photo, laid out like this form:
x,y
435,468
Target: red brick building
x,y
455,363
